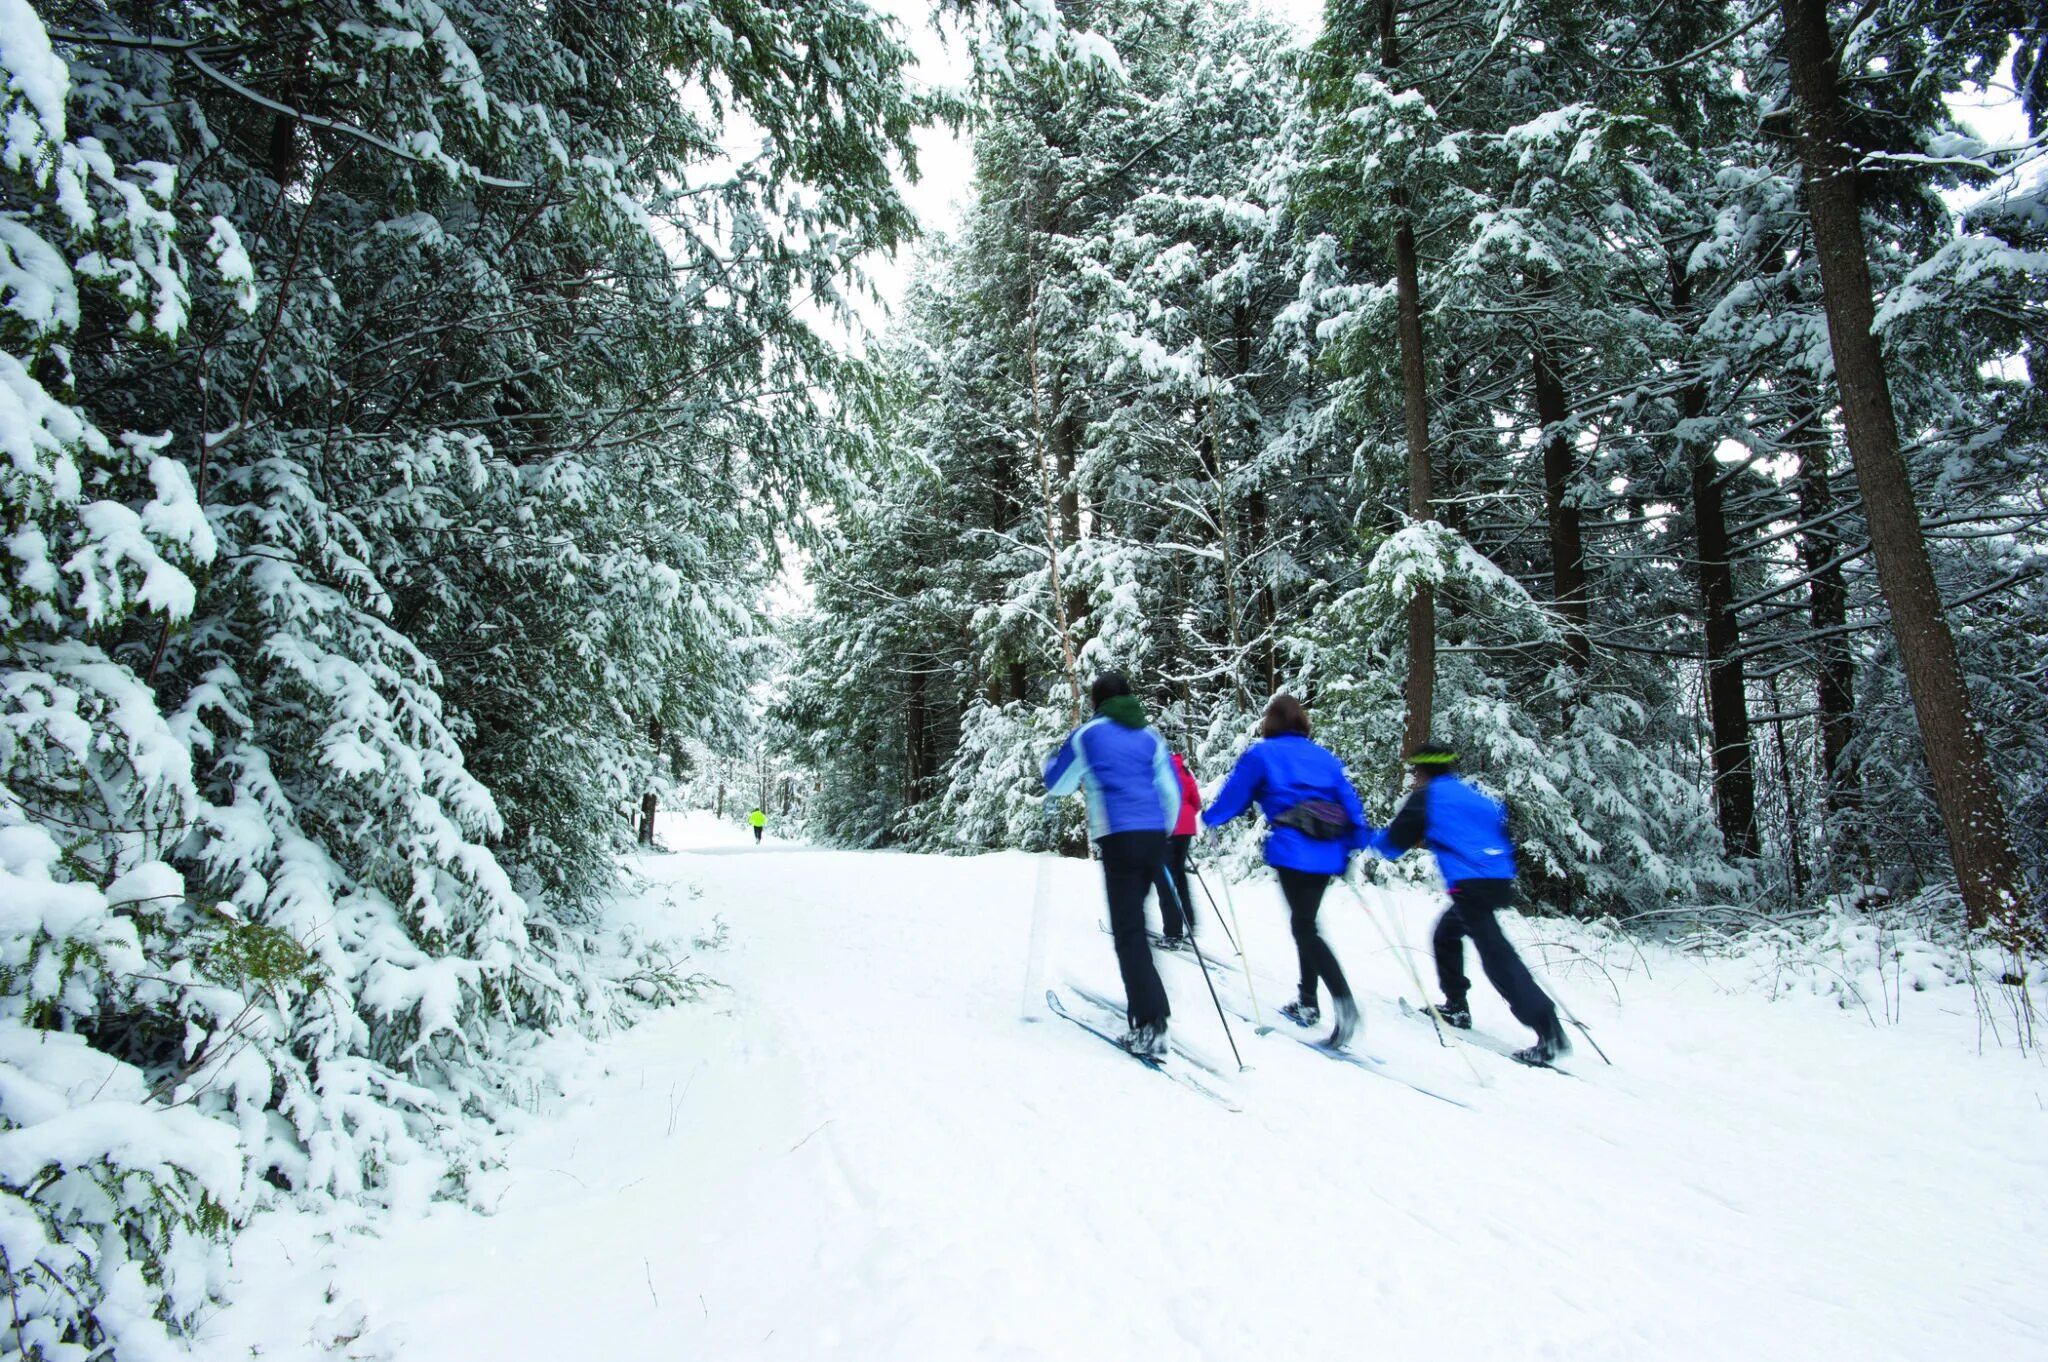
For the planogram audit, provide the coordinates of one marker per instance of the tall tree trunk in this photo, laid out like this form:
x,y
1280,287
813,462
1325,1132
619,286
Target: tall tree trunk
x,y
1066,446
1212,464
1053,541
1794,833
1065,439
1008,505
1567,552
1259,530
1980,843
1827,597
914,742
1727,688
1420,689
1257,536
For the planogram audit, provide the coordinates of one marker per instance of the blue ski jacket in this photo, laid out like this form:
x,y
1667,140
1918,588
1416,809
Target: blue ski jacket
x,y
1124,772
1279,773
1467,831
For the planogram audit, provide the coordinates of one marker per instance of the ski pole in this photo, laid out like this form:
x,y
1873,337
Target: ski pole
x,y
1436,1018
1041,897
1562,1006
1204,963
1236,940
1584,1029
1214,911
1550,991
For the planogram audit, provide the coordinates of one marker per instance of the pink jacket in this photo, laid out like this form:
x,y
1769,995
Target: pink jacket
x,y
1190,799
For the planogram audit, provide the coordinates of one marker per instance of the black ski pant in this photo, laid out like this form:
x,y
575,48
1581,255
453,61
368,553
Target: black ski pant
x,y
1471,914
757,835
1176,905
1131,861
1304,891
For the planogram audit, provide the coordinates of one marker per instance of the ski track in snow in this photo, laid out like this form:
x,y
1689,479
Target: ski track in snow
x,y
859,1149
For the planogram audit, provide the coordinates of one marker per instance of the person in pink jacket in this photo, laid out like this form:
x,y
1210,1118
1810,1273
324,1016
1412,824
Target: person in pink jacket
x,y
1176,909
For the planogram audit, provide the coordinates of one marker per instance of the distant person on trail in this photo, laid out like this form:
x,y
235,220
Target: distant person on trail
x,y
1133,802
757,820
1468,834
1316,822
1176,908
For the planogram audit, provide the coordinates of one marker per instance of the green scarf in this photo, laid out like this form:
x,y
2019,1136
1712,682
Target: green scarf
x,y
1125,709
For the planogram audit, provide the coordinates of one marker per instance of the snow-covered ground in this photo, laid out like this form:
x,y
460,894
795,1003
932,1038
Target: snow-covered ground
x,y
860,1148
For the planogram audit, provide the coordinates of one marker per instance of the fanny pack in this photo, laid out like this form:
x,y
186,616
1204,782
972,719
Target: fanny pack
x,y
1321,819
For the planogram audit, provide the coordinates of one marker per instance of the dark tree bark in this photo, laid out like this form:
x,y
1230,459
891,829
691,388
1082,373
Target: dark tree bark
x,y
1567,552
1064,442
1257,535
1419,691
1066,446
1258,524
916,742
1727,688
1211,461
1980,843
1827,597
1794,832
1055,543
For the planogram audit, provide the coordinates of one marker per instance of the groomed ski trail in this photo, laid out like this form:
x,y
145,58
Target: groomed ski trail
x,y
857,1149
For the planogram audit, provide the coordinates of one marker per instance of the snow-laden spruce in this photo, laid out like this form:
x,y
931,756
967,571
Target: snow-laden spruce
x,y
400,407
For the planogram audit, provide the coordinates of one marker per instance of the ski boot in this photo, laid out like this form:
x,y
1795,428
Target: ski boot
x,y
1458,1015
1302,1014
1551,1045
1347,1023
1147,1041
1172,943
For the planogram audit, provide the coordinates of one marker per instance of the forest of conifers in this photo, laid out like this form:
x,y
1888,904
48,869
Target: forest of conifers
x,y
1638,401
409,406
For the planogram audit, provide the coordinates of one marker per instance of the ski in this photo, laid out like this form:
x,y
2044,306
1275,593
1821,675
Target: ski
x,y
1158,943
1113,1009
1186,1080
1370,1063
1478,1040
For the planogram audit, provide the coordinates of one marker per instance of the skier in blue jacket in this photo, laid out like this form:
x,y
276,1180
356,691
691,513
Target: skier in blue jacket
x,y
1133,801
1316,822
1468,834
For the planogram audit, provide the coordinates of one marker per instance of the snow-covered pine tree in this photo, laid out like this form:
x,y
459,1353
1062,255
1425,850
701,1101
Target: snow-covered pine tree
x,y
1112,444
408,401
1537,203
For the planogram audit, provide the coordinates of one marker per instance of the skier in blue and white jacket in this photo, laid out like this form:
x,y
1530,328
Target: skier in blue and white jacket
x,y
1468,834
1133,796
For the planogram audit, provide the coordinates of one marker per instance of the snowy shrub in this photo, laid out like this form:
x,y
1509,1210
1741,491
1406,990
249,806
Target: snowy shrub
x,y
996,797
1870,955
